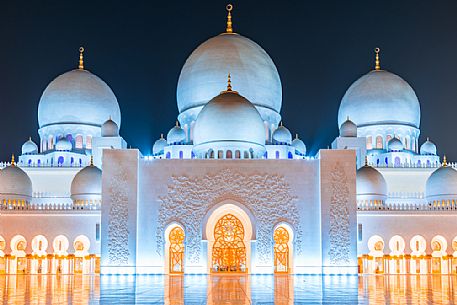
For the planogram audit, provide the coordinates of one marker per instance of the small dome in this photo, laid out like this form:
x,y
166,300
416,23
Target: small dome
x,y
371,100
300,147
159,146
230,121
15,184
176,135
63,145
282,135
78,97
395,144
110,129
428,148
29,147
348,129
371,185
442,184
87,184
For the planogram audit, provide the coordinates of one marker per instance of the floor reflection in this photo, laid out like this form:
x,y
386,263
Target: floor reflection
x,y
228,289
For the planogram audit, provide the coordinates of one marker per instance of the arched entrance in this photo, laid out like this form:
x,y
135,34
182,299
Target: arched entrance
x,y
281,250
176,250
229,249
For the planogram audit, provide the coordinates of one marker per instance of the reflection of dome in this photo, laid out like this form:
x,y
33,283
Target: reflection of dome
x,y
348,129
428,148
110,129
231,122
380,97
63,145
87,184
395,144
299,146
15,184
371,185
159,145
176,135
29,147
77,97
204,73
442,184
282,135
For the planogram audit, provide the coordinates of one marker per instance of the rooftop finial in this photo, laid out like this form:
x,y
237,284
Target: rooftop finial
x,y
177,123
161,136
444,161
12,160
81,58
91,160
296,136
377,66
229,83
366,160
229,29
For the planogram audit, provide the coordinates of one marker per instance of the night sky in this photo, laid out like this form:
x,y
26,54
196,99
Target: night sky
x,y
139,47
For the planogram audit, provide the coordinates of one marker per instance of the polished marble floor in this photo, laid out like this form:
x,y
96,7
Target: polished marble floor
x,y
232,289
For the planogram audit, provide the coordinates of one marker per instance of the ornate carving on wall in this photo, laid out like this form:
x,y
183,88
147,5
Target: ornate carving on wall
x,y
267,196
339,233
118,233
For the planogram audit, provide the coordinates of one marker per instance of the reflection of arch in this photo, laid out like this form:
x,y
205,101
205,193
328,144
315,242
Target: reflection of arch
x,y
18,246
418,245
397,245
281,249
2,246
376,245
176,250
229,250
39,245
81,245
60,245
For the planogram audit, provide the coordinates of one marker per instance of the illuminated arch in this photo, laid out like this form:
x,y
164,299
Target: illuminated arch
x,y
397,245
60,245
418,245
281,239
229,249
39,245
376,246
176,250
81,245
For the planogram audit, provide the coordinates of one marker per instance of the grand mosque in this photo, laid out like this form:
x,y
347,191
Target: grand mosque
x,y
228,189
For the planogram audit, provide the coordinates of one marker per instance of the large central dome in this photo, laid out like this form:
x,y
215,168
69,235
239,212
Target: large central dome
x,y
380,98
78,97
204,73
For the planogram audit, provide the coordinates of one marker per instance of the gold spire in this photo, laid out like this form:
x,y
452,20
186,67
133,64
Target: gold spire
x,y
12,160
161,136
91,160
177,123
296,136
377,66
366,160
81,58
229,29
229,85
444,161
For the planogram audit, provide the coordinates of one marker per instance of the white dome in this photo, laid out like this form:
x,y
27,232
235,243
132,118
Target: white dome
x,y
15,184
282,135
395,144
176,135
110,129
29,147
205,72
348,129
442,184
230,120
87,184
159,146
380,97
78,97
299,146
64,145
428,148
371,185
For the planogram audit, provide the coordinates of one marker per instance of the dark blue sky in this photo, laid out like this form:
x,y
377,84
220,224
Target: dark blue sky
x,y
139,47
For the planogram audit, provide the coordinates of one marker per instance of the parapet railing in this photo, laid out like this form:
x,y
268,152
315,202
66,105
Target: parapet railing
x,y
406,207
49,207
411,165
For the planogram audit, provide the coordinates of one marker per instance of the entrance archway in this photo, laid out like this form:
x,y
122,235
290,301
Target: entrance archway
x,y
281,250
176,254
229,249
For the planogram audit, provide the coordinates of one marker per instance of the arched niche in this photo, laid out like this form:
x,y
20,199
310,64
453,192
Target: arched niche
x,y
169,229
290,245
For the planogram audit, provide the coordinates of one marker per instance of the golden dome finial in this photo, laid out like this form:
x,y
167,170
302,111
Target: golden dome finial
x,y
366,160
229,29
377,66
296,136
177,123
81,58
444,161
161,136
91,160
428,139
229,83
13,163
